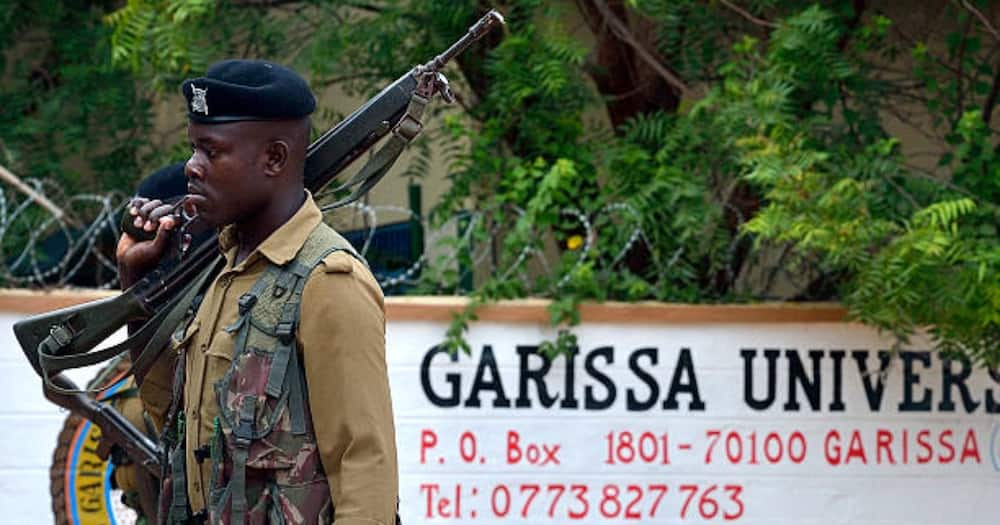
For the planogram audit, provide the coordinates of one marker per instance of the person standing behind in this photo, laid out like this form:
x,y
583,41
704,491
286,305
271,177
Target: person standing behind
x,y
278,409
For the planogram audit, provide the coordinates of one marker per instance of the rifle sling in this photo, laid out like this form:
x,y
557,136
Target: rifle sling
x,y
51,363
378,165
158,342
152,337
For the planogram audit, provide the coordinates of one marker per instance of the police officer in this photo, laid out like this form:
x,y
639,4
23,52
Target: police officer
x,y
278,408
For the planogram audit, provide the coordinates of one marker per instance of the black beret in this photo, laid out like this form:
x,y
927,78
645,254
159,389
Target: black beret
x,y
164,183
234,90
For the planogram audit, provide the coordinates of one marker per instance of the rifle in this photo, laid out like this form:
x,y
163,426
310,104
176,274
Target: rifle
x,y
63,339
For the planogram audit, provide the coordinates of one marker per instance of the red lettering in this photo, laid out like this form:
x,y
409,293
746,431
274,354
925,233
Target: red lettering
x,y
734,496
558,489
467,446
580,491
945,440
832,452
428,439
532,489
922,440
713,437
532,453
708,507
661,490
513,447
970,448
797,437
773,437
431,489
632,511
883,441
500,509
856,449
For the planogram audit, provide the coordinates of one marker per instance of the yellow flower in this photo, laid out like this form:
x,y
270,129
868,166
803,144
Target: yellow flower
x,y
574,242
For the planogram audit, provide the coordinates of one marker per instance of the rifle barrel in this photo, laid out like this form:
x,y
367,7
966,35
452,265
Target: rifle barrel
x,y
477,31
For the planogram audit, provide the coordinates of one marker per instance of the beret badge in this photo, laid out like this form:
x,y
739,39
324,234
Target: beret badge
x,y
198,102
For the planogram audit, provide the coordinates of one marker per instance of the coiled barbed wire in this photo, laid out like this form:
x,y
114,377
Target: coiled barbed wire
x,y
37,249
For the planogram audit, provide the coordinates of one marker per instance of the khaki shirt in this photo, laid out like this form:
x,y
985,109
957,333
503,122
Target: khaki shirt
x,y
341,336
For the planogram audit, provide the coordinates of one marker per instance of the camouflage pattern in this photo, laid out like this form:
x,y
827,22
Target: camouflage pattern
x,y
284,477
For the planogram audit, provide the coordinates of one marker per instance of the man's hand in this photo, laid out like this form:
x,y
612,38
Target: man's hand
x,y
136,258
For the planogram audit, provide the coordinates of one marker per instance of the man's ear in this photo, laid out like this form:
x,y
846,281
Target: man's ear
x,y
275,157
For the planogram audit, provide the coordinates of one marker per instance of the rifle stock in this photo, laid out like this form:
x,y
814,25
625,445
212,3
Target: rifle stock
x,y
93,322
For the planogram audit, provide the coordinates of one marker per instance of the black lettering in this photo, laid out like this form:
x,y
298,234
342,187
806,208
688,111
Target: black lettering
x,y
452,378
631,403
911,379
684,366
992,407
87,466
949,380
875,392
589,401
837,405
487,361
797,375
89,496
537,376
569,390
771,355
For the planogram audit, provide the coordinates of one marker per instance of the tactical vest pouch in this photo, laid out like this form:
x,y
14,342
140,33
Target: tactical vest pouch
x,y
270,469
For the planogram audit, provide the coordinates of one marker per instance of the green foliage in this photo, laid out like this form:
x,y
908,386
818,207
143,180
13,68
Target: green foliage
x,y
65,112
776,175
930,262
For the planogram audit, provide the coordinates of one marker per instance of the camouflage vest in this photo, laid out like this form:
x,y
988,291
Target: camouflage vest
x,y
266,466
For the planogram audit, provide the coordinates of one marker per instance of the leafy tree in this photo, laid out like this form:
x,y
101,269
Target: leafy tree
x,y
675,150
66,112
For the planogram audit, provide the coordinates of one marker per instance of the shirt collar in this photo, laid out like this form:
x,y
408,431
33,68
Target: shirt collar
x,y
284,243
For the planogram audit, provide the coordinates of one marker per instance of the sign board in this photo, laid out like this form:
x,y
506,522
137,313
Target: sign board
x,y
691,423
665,414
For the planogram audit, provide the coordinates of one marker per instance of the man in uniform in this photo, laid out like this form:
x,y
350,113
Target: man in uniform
x,y
278,409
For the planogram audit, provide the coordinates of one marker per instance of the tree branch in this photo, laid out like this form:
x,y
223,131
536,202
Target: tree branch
x,y
859,11
982,18
745,14
42,200
991,100
618,28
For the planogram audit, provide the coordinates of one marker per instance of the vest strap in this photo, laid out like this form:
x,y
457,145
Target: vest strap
x,y
279,369
179,502
243,434
296,396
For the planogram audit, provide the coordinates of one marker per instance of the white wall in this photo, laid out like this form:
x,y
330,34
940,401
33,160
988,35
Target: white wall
x,y
960,491
30,426
816,491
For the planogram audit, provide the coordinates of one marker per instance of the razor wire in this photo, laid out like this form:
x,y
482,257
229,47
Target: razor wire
x,y
40,250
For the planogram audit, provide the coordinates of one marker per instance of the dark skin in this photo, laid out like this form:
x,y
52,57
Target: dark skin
x,y
249,174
